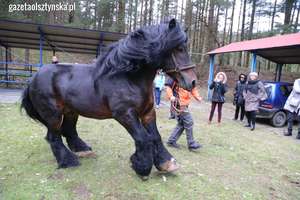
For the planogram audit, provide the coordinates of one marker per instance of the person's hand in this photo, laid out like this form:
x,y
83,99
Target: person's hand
x,y
172,99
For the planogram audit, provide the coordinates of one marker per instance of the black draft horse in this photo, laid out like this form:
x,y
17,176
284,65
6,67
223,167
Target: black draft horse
x,y
118,85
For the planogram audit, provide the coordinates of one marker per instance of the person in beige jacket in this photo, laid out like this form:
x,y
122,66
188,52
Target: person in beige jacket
x,y
292,106
253,93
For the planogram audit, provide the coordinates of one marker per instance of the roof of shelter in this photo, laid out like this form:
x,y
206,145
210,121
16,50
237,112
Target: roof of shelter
x,y
58,38
283,49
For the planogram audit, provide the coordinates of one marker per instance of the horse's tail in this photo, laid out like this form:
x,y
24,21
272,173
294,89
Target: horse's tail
x,y
29,108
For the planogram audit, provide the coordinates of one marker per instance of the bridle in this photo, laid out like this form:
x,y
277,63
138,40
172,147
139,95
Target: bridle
x,y
179,68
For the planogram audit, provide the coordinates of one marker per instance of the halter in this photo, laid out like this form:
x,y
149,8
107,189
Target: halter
x,y
178,67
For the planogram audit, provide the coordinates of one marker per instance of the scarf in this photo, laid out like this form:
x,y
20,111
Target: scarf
x,y
252,86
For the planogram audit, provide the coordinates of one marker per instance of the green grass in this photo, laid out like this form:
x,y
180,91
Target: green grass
x,y
233,164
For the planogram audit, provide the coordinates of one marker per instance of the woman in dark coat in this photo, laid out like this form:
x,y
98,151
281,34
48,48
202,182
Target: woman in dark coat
x,y
219,88
239,100
254,93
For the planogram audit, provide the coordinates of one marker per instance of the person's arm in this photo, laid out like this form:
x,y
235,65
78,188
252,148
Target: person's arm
x,y
212,85
169,93
196,95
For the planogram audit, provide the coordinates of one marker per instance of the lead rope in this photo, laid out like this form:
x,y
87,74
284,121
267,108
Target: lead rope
x,y
175,104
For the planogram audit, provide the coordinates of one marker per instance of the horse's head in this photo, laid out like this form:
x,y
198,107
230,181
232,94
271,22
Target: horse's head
x,y
177,62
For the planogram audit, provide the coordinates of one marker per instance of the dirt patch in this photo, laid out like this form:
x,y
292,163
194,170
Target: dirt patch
x,y
81,192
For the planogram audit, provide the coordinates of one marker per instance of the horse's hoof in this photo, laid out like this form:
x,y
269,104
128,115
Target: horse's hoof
x,y
86,154
69,164
169,166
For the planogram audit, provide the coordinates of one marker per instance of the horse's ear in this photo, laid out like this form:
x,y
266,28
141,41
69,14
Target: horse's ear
x,y
172,23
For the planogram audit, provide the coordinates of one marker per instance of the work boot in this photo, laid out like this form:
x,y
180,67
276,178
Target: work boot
x,y
288,133
194,146
173,144
248,126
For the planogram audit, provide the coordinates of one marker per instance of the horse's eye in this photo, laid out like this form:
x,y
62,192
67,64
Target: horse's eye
x,y
180,49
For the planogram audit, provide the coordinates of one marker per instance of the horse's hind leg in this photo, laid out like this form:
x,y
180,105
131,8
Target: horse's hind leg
x,y
64,157
75,143
52,117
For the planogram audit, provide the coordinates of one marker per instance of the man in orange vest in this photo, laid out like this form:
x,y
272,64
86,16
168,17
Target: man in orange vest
x,y
182,98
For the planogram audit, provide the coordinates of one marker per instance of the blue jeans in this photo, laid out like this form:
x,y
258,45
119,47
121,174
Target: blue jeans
x,y
157,94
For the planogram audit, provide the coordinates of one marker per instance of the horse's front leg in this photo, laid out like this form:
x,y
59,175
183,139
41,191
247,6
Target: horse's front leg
x,y
142,159
163,160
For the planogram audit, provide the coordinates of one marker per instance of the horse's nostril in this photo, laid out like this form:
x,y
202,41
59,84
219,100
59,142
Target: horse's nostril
x,y
194,83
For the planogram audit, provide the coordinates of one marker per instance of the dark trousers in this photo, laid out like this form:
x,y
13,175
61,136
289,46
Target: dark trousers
x,y
290,120
212,111
251,117
239,108
157,94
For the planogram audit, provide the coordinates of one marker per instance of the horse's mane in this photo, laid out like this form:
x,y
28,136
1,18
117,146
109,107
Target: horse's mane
x,y
145,46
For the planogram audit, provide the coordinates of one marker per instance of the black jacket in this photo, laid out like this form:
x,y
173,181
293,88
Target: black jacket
x,y
238,94
219,91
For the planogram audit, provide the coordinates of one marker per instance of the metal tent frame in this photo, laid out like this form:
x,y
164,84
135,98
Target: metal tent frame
x,y
18,34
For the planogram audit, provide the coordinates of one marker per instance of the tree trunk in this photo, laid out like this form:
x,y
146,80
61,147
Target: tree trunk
x,y
287,15
135,14
273,16
232,20
209,41
141,13
243,30
231,28
188,15
151,12
237,58
250,33
297,19
145,14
